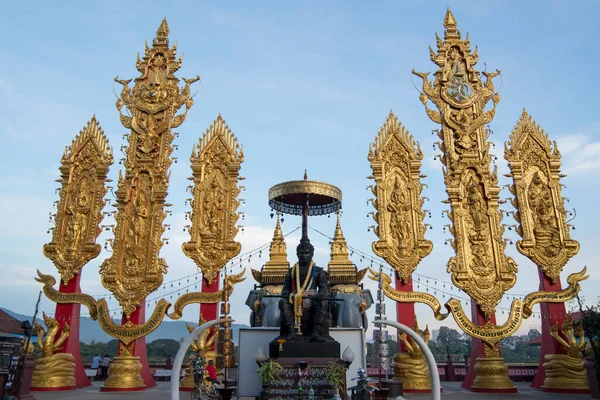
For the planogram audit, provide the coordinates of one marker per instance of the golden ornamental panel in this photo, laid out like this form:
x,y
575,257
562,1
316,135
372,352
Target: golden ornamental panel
x,y
84,166
535,167
134,270
396,164
216,163
480,267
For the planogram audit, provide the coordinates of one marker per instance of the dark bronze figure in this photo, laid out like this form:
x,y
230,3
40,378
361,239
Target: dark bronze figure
x,y
305,298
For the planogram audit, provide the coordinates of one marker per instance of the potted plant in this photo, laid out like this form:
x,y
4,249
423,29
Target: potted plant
x,y
336,373
269,372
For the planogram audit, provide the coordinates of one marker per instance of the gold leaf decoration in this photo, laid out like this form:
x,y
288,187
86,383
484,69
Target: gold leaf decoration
x,y
84,166
480,267
216,163
535,168
396,163
134,269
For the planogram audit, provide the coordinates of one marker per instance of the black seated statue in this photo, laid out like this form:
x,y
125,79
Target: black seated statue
x,y
305,295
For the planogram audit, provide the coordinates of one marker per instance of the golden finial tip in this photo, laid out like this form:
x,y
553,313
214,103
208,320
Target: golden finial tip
x,y
449,20
162,32
450,25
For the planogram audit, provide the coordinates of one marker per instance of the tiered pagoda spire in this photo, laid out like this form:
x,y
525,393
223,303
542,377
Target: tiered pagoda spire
x,y
274,270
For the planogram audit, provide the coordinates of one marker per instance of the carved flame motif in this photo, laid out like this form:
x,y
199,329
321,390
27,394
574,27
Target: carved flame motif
x,y
84,166
134,270
216,163
535,168
396,162
480,266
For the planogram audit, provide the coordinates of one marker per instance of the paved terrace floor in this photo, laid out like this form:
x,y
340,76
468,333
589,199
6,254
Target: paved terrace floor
x,y
452,390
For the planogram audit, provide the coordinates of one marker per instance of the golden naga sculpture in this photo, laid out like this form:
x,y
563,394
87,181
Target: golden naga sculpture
x,y
396,163
488,333
216,162
204,342
535,168
84,166
566,371
134,270
53,369
480,267
272,274
66,298
126,333
207,297
410,367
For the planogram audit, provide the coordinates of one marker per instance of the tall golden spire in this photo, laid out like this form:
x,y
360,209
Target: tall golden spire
x,y
274,270
135,268
465,104
341,269
278,250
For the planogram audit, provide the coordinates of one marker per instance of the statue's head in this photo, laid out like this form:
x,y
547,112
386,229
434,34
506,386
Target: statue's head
x,y
305,251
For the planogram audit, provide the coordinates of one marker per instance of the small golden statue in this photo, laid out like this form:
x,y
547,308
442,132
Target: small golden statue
x,y
566,371
52,369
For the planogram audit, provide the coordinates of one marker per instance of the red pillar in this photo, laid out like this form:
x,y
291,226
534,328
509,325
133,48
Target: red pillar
x,y
138,317
405,312
70,313
552,313
210,312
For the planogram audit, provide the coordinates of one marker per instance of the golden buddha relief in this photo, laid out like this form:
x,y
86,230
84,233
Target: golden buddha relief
x,y
216,162
84,167
535,167
396,164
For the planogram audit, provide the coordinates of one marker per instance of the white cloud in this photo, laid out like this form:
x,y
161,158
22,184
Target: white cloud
x,y
580,153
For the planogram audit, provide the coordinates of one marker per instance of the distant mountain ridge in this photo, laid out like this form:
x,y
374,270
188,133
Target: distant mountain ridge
x,y
90,331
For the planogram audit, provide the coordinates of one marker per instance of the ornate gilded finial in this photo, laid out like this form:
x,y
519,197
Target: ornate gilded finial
x,y
480,267
162,34
215,163
341,269
135,269
535,168
84,172
450,25
396,164
274,270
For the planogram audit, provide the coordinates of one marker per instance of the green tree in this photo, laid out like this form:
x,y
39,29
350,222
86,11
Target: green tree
x,y
450,341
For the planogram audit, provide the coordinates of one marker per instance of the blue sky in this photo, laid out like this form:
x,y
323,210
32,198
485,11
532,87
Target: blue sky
x,y
302,85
